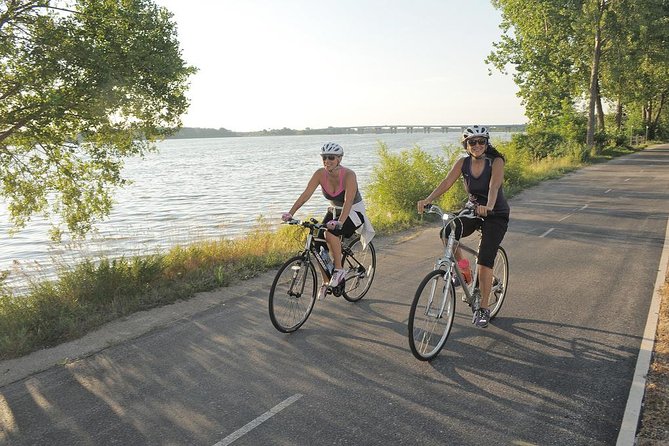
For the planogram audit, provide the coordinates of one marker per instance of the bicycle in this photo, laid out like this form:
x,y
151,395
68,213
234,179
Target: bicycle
x,y
433,307
293,293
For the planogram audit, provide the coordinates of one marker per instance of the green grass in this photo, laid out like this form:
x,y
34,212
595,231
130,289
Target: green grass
x,y
95,292
92,293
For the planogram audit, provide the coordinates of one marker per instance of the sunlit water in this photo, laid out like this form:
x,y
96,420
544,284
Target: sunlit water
x,y
194,189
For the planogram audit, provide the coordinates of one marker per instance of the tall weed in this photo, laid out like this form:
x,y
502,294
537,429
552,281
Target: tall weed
x,y
400,180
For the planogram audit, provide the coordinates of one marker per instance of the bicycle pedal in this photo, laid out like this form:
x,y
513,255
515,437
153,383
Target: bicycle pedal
x,y
339,289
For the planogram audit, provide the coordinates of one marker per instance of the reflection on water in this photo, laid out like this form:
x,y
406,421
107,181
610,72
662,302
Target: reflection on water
x,y
197,189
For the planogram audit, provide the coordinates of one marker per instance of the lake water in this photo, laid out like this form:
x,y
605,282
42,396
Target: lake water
x,y
194,189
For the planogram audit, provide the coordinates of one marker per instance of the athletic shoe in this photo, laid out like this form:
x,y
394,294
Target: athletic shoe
x,y
337,277
481,317
323,291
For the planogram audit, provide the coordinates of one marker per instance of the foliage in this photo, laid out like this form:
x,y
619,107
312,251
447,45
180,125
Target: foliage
x,y
399,181
574,56
82,89
95,292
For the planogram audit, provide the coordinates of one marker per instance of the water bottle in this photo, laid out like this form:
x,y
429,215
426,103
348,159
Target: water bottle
x,y
327,260
466,271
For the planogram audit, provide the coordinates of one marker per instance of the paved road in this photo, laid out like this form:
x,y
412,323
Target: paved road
x,y
554,368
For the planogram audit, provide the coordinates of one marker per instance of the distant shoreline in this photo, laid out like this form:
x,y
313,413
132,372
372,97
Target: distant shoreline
x,y
199,132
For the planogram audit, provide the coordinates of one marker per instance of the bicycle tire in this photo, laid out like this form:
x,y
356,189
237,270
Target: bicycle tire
x,y
500,281
427,335
293,294
359,276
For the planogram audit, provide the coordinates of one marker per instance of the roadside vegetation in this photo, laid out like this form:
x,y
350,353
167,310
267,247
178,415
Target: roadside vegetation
x,y
654,423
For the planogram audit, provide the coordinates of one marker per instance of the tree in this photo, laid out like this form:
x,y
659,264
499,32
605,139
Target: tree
x,y
85,84
542,41
585,52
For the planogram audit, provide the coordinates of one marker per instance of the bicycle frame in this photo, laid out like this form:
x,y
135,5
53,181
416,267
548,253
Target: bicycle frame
x,y
448,262
310,247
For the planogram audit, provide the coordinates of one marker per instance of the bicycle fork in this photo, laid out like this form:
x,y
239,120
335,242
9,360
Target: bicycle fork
x,y
299,277
430,309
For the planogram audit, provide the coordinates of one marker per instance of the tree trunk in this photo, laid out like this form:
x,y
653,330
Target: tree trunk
x,y
600,111
619,115
648,119
594,75
656,121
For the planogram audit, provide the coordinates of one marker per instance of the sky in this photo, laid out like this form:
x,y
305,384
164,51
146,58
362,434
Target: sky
x,y
270,64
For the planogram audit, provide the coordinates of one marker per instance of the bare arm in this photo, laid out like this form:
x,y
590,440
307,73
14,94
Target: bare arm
x,y
445,185
308,191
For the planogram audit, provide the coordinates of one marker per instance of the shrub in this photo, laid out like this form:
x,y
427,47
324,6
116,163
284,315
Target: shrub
x,y
400,180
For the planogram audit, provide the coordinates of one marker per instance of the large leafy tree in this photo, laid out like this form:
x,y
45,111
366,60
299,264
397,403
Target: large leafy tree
x,y
570,54
538,40
84,85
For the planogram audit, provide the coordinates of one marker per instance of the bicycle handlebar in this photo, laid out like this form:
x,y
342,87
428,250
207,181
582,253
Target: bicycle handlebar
x,y
468,212
311,224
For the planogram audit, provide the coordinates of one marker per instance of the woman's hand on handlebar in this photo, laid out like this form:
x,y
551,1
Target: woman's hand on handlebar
x,y
333,225
483,211
421,205
286,216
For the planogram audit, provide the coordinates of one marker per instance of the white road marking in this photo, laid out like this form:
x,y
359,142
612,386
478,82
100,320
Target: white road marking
x,y
258,421
627,433
607,191
627,180
546,233
569,215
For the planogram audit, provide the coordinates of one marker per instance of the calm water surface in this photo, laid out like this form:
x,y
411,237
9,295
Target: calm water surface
x,y
194,189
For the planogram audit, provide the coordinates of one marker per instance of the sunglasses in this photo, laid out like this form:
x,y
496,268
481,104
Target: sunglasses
x,y
480,141
329,157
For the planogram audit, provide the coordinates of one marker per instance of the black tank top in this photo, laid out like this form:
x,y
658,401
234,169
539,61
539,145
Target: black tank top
x,y
478,187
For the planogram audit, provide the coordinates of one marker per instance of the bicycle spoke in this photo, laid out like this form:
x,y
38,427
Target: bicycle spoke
x,y
431,315
499,283
361,267
292,295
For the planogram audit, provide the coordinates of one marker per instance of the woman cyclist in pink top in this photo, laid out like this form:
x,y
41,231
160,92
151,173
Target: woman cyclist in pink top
x,y
347,213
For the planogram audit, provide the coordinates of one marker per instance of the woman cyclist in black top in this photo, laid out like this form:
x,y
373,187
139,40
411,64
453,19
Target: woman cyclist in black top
x,y
483,174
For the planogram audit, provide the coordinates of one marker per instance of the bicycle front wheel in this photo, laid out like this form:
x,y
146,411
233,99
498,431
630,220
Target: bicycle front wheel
x,y
431,315
293,294
360,266
500,279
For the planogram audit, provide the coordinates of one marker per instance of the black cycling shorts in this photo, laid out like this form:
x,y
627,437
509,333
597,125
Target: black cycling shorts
x,y
348,228
493,229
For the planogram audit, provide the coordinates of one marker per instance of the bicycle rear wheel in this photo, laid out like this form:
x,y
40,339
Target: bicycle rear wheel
x,y
431,315
500,279
360,266
293,294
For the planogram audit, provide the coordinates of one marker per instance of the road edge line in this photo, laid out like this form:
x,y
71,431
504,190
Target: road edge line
x,y
630,423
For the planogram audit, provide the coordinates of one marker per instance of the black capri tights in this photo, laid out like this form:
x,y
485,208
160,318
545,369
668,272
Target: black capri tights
x,y
347,229
493,229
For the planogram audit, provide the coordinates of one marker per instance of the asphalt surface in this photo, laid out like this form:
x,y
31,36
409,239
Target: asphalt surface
x,y
554,368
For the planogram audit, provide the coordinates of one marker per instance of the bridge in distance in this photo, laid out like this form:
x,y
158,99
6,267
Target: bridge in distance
x,y
417,128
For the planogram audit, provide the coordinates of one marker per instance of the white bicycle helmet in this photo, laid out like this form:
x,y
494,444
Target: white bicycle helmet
x,y
475,130
332,148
